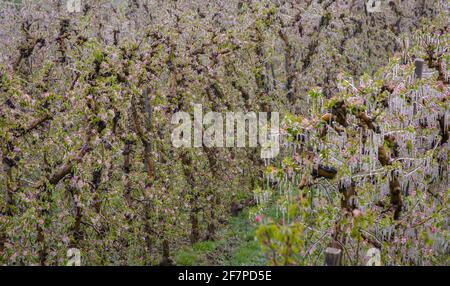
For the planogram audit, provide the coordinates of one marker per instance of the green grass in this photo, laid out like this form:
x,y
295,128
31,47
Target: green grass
x,y
195,255
186,257
246,254
237,246
204,246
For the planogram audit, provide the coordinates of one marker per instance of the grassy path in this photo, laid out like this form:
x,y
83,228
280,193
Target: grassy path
x,y
237,246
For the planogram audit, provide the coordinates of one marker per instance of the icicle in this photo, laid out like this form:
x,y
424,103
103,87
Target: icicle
x,y
360,142
445,120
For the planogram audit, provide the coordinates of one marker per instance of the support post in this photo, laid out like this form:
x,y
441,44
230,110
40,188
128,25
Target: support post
x,y
419,68
333,256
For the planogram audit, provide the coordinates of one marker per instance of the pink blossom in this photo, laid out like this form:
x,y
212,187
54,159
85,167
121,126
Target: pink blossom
x,y
356,212
258,218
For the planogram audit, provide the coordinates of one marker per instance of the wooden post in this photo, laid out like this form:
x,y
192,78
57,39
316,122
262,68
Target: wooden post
x,y
332,256
419,68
